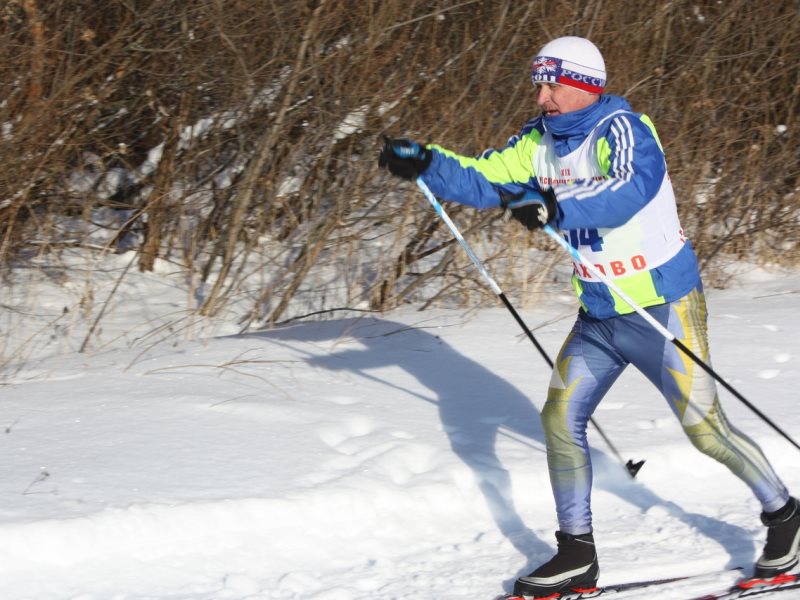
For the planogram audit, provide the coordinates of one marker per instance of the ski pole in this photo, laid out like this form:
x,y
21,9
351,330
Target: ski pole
x,y
631,466
663,330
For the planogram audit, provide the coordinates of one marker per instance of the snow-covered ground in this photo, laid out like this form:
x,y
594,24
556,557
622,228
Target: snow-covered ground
x,y
396,456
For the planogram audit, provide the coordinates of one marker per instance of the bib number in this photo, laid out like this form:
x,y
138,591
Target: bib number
x,y
584,237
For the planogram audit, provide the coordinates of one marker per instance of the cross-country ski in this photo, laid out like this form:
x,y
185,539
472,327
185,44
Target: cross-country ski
x,y
606,591
756,587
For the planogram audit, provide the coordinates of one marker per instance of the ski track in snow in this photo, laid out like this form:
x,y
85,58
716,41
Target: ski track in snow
x,y
398,457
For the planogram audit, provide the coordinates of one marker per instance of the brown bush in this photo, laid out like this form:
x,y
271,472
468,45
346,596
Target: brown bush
x,y
222,131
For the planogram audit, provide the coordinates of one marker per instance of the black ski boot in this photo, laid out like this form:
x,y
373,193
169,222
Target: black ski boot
x,y
574,566
783,538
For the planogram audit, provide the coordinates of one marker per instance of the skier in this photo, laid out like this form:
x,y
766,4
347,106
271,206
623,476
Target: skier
x,y
595,170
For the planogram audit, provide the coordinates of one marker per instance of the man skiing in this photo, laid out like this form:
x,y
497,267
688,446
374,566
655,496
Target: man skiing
x,y
595,170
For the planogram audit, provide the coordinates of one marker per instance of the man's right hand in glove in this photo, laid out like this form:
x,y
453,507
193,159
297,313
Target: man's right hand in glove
x,y
404,158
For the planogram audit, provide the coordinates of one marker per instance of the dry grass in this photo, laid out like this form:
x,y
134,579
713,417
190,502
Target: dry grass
x,y
94,87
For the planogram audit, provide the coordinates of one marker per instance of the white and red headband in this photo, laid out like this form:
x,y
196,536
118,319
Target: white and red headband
x,y
571,61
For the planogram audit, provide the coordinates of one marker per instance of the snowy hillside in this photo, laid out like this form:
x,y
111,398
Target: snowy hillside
x,y
394,457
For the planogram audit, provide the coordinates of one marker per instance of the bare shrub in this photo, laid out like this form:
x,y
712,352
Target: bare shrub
x,y
239,138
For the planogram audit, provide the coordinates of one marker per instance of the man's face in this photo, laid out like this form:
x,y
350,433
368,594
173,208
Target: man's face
x,y
554,99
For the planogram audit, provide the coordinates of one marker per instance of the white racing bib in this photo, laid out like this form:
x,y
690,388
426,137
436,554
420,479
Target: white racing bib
x,y
649,239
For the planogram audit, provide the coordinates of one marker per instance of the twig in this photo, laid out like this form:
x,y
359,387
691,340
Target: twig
x,y
105,304
328,310
38,479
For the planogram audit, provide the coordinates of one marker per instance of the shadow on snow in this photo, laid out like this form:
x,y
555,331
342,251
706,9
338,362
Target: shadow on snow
x,y
473,421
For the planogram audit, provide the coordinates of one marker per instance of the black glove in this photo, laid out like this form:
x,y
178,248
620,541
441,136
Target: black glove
x,y
532,209
404,158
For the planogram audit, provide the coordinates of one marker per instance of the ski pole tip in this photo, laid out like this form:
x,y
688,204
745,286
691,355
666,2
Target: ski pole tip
x,y
633,467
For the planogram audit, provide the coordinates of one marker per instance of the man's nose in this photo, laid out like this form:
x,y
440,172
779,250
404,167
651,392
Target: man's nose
x,y
541,94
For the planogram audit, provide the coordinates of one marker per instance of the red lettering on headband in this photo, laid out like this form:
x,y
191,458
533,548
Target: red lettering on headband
x,y
592,89
586,87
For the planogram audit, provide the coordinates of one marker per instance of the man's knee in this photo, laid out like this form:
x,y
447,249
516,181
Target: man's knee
x,y
554,418
558,426
706,442
710,442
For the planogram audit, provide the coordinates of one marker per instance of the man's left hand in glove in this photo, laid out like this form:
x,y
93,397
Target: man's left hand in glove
x,y
532,209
